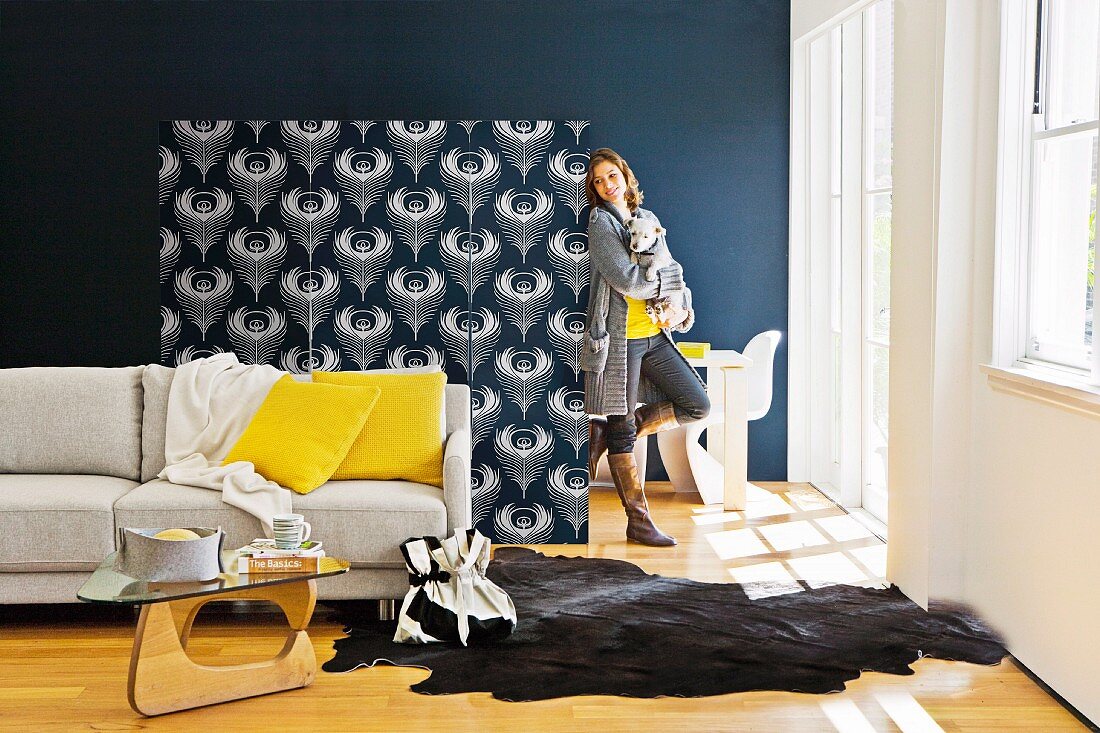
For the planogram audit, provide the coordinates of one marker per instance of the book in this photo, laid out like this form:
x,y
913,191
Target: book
x,y
266,548
694,349
251,564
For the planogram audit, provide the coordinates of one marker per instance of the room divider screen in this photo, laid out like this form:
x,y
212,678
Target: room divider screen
x,y
365,244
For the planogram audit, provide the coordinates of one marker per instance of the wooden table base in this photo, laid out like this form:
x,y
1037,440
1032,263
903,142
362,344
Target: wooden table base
x,y
163,679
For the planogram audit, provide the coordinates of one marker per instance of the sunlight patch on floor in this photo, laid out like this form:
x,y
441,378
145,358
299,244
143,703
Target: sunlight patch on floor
x,y
736,543
792,535
873,558
828,569
843,528
765,580
845,716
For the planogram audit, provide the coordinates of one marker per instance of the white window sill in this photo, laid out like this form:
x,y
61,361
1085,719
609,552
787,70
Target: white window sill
x,y
1047,386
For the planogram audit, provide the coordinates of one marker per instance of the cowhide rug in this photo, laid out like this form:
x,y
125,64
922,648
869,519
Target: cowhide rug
x,y
591,626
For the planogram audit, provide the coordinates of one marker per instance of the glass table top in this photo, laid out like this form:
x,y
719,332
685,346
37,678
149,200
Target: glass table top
x,y
108,585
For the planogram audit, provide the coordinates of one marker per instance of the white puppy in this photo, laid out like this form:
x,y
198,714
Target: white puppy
x,y
647,246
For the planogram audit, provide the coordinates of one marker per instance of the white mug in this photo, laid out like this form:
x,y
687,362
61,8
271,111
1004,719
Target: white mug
x,y
290,530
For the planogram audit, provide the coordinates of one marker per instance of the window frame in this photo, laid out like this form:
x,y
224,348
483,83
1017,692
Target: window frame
x,y
1021,95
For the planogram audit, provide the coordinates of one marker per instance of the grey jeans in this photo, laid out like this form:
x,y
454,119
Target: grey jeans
x,y
658,360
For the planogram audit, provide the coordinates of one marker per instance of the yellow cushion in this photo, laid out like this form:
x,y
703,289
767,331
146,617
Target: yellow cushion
x,y
302,431
402,439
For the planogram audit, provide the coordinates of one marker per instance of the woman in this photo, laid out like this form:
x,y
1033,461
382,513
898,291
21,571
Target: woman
x,y
626,357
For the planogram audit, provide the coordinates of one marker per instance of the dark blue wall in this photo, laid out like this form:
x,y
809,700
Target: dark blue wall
x,y
693,94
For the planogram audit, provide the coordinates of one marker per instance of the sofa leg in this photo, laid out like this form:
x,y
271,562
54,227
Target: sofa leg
x,y
386,609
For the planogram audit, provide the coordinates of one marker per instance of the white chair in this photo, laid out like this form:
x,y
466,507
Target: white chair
x,y
688,464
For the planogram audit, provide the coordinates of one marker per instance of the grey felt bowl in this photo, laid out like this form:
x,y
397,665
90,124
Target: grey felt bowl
x,y
142,556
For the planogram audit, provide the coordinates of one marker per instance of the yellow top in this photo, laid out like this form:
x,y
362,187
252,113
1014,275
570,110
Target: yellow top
x,y
638,324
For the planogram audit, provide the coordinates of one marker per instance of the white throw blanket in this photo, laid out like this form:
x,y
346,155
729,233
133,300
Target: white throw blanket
x,y
211,402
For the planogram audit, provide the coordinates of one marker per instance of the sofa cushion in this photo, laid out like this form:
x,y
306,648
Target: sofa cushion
x,y
363,522
156,381
83,420
163,504
57,522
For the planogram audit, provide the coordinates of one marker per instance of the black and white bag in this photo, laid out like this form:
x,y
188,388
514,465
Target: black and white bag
x,y
449,597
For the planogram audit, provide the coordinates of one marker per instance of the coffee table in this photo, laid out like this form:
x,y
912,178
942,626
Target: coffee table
x,y
163,678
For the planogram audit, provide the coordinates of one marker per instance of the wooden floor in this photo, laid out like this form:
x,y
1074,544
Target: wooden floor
x,y
64,668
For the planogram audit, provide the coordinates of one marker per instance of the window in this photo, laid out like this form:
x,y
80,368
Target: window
x,y
1047,207
847,131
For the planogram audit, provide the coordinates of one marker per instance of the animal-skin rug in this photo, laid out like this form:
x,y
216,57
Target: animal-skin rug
x,y
590,626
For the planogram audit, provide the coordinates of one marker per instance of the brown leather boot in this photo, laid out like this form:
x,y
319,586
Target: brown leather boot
x,y
654,417
597,444
639,525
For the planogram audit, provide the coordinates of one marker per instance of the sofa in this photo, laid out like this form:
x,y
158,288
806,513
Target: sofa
x,y
80,448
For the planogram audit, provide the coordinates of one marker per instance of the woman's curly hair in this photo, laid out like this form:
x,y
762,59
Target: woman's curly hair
x,y
634,194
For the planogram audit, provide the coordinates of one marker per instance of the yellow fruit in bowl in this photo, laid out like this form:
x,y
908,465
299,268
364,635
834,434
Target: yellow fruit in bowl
x,y
176,534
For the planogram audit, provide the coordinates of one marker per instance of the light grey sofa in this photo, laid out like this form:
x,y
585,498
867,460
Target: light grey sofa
x,y
80,448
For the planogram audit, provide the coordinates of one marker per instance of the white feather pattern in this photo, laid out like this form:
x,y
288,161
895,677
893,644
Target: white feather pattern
x,y
310,141
567,174
363,176
169,173
256,126
404,357
362,126
569,490
415,295
523,142
524,217
469,176
568,253
485,409
203,216
363,333
257,176
256,334
310,215
203,142
169,332
361,258
416,142
204,295
468,261
468,126
257,256
566,409
190,353
524,374
523,453
524,296
310,295
523,526
469,338
169,252
566,330
304,361
576,126
416,216
484,490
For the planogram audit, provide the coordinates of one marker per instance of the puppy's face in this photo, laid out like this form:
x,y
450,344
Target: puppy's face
x,y
643,234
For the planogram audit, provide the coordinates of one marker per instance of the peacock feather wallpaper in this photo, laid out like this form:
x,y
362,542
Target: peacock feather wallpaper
x,y
366,244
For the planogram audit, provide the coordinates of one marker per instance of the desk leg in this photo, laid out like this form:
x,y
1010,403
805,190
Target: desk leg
x,y
735,441
163,678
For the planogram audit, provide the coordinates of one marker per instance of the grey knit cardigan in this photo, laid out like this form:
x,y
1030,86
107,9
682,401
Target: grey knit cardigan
x,y
611,275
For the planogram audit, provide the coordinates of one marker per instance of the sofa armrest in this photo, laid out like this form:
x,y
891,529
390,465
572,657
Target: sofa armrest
x,y
456,479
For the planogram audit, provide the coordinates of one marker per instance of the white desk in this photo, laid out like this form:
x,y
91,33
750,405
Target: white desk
x,y
720,472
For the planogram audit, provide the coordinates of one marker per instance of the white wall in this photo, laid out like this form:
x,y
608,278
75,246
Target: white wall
x,y
808,16
994,498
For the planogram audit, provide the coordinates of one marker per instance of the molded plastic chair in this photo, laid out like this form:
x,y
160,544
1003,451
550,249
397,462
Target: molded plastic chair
x,y
685,459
